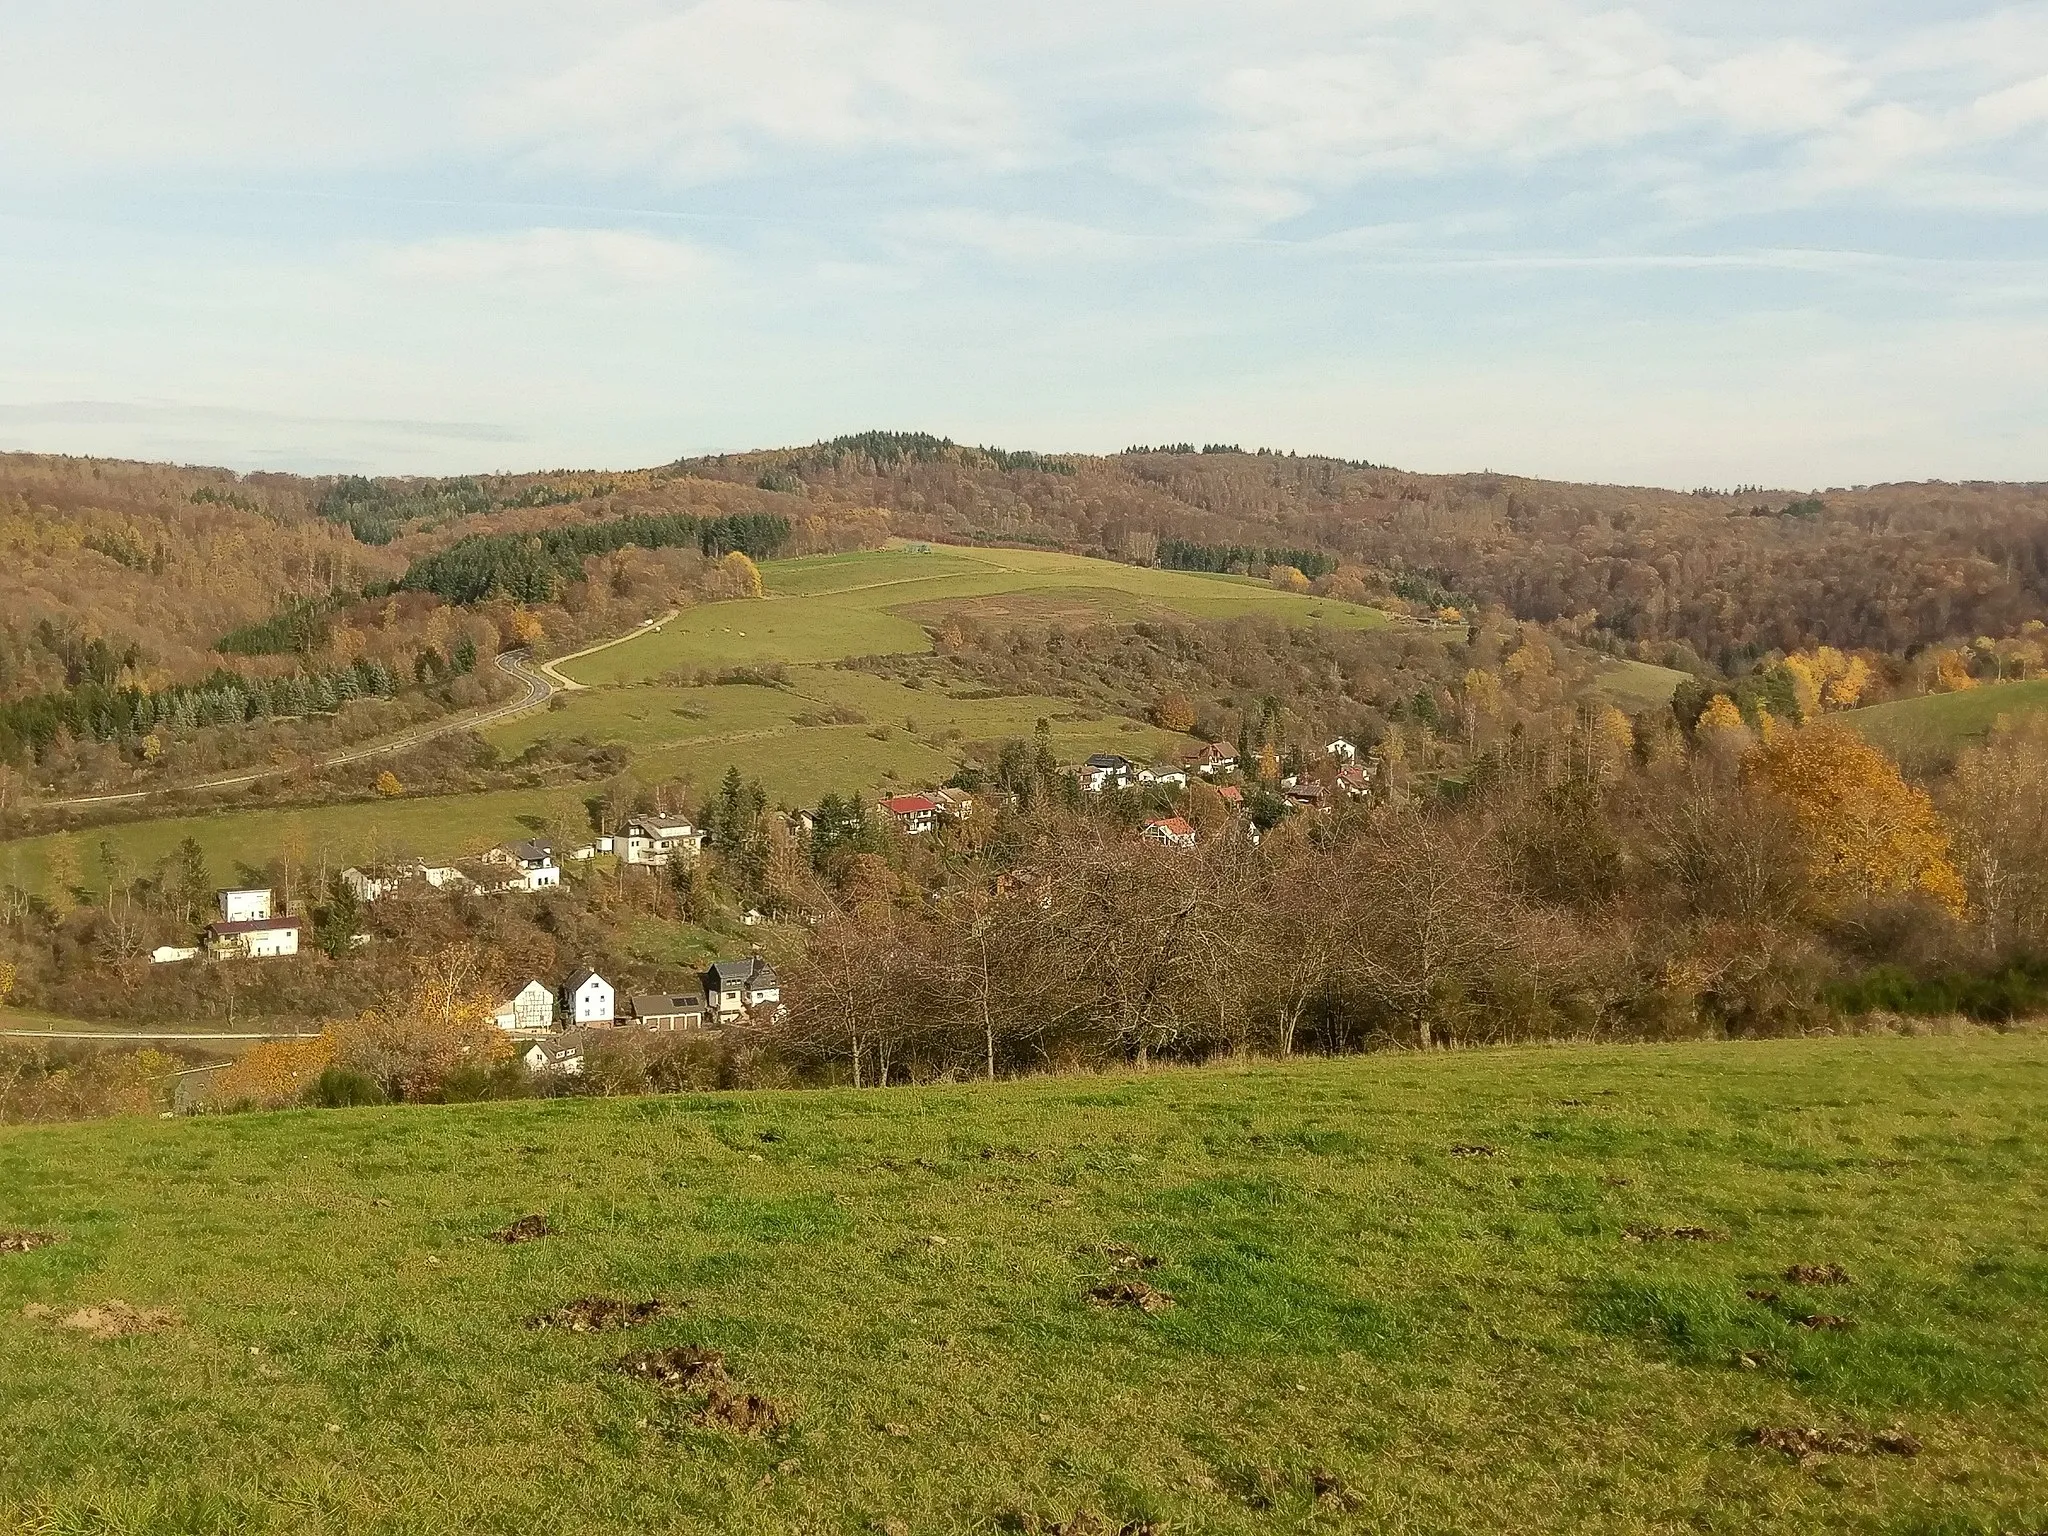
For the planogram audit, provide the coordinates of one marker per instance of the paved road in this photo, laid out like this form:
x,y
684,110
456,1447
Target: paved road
x,y
539,689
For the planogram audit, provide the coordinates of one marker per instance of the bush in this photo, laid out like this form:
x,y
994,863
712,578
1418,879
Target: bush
x,y
344,1088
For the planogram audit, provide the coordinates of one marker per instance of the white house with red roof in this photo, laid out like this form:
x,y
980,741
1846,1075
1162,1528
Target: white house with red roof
x,y
1171,832
915,814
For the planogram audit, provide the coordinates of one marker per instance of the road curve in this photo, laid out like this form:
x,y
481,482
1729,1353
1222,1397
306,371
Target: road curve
x,y
539,690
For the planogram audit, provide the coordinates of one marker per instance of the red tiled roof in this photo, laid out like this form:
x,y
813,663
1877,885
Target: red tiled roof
x,y
909,805
1173,826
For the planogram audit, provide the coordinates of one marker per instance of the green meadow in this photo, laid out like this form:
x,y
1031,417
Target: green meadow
x,y
1938,723
829,607
1635,686
1511,1291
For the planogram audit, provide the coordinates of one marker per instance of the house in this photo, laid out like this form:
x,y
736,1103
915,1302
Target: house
x,y
1354,780
587,998
654,840
1170,831
532,859
1307,793
1164,773
375,884
1231,796
1213,759
168,954
1105,770
915,814
255,938
954,804
667,1010
244,906
529,1011
735,987
563,1054
1341,749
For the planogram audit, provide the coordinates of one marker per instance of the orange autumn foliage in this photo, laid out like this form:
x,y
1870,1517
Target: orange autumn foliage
x,y
275,1072
1867,831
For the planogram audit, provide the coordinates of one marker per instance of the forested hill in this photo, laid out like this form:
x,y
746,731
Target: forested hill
x,y
157,565
1731,574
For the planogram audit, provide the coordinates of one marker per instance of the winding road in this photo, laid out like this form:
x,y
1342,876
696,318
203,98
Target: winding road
x,y
540,688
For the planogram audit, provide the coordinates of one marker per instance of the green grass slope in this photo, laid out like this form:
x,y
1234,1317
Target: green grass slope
x,y
1635,686
1452,1340
1941,722
828,607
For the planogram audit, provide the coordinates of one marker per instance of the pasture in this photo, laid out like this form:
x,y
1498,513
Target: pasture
x,y
1936,724
1515,1291
829,607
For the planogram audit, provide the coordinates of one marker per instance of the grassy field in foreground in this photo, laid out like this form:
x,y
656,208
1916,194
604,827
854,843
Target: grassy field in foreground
x,y
1408,1278
827,607
1941,722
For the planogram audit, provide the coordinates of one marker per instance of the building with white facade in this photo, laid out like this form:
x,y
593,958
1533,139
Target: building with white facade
x,y
246,906
587,998
655,840
529,1011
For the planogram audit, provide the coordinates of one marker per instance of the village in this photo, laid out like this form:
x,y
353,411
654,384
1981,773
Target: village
x,y
554,1021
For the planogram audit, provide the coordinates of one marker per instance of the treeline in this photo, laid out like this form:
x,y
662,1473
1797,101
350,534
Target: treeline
x,y
1736,885
100,712
535,567
1181,555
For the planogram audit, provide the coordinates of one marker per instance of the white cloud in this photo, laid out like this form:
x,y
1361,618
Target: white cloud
x,y
725,84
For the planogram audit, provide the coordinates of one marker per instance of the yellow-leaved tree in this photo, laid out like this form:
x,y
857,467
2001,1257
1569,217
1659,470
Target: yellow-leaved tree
x,y
435,1019
1287,578
1173,712
746,576
274,1073
1867,832
388,785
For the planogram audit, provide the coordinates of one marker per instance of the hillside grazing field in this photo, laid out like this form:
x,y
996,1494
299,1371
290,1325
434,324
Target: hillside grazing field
x,y
1635,686
828,607
1403,1283
435,827
1938,723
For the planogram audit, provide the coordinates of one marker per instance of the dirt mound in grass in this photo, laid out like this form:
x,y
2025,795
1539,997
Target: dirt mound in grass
x,y
1130,1293
726,1406
1804,1444
1818,1274
1124,1256
1083,1522
25,1242
110,1319
1674,1234
684,1366
524,1230
743,1413
600,1314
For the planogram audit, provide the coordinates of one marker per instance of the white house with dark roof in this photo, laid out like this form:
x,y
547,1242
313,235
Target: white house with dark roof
x,y
533,862
587,998
563,1054
1105,770
736,987
656,840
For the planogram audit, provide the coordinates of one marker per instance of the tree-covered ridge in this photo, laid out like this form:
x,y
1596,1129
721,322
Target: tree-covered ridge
x,y
100,711
376,511
534,567
1242,559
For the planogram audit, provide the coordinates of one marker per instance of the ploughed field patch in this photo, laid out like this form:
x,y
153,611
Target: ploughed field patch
x,y
1186,1301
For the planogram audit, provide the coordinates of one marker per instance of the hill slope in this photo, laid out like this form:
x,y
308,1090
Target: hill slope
x,y
1436,1341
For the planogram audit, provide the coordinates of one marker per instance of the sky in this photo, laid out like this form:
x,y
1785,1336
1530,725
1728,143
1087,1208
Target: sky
x,y
1801,244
